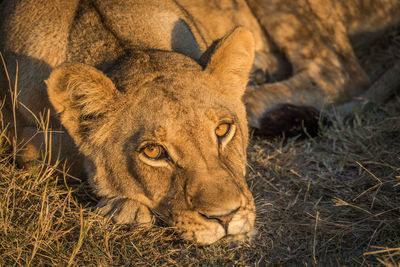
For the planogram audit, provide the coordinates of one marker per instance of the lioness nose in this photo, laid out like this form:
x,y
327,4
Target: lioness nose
x,y
214,205
213,195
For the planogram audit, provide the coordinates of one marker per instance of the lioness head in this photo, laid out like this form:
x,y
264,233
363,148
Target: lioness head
x,y
163,134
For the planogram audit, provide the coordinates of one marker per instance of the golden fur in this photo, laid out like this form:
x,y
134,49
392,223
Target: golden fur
x,y
123,75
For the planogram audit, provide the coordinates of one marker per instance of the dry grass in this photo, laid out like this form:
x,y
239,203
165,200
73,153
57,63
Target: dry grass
x,y
332,200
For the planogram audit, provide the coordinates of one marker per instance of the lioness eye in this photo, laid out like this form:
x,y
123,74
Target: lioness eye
x,y
153,152
222,129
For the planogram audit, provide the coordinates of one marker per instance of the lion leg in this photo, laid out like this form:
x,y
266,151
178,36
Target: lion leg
x,y
325,70
125,211
49,148
379,92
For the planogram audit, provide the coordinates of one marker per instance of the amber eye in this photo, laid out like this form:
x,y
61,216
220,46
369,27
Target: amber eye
x,y
153,152
222,129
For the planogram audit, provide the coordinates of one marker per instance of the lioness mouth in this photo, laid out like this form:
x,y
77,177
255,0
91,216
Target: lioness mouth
x,y
224,220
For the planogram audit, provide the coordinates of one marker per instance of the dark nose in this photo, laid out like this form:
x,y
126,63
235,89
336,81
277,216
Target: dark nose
x,y
214,198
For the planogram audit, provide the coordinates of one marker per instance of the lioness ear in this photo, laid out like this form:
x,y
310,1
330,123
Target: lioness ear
x,y
81,95
231,61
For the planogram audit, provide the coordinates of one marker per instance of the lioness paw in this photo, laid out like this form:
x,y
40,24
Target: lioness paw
x,y
125,211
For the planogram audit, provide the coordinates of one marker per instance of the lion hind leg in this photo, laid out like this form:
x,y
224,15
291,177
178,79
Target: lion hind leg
x,y
379,92
325,70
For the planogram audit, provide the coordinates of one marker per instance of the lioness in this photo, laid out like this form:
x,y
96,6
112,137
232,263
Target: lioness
x,y
154,93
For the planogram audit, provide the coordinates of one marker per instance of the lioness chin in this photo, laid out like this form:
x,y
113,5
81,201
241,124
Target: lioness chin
x,y
154,95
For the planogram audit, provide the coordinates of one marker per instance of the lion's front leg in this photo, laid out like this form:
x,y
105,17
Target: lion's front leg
x,y
47,147
125,211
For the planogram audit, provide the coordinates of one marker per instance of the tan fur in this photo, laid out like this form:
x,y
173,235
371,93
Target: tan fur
x,y
121,75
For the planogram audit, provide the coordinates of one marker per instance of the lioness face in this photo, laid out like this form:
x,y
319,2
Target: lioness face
x,y
186,153
171,139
